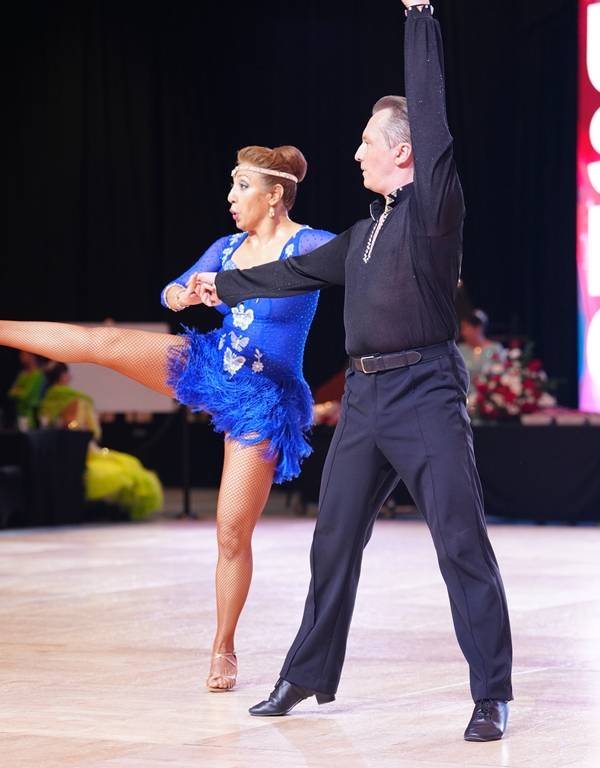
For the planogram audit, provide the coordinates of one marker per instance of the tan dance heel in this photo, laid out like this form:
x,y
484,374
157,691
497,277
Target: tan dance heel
x,y
230,662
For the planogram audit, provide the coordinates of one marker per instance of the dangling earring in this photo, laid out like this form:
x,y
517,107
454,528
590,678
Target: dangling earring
x,y
271,212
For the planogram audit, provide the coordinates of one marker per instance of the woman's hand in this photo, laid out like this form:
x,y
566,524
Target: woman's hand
x,y
191,295
205,288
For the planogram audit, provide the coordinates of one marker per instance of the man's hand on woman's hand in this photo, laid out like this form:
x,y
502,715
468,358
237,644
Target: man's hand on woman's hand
x,y
205,288
190,295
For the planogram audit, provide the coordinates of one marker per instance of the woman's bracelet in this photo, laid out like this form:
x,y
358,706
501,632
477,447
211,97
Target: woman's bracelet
x,y
178,305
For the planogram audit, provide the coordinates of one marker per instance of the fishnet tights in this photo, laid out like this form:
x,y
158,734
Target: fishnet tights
x,y
138,354
243,493
247,476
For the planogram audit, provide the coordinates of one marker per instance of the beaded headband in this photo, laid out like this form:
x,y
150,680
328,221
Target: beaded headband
x,y
266,171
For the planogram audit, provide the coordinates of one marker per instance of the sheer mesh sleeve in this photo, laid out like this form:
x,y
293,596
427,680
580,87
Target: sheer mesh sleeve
x,y
438,192
210,261
309,239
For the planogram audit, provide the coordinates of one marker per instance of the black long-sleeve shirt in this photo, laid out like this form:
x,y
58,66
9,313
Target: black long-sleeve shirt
x,y
403,296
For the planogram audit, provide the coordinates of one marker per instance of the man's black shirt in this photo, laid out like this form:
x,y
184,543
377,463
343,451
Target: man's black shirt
x,y
402,297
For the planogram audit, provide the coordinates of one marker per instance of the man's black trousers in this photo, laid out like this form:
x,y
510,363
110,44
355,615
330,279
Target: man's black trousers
x,y
410,423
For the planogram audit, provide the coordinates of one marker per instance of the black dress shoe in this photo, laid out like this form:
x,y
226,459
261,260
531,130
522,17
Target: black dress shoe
x,y
488,721
284,698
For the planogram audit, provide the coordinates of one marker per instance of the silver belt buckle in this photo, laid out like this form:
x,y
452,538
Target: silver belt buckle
x,y
362,364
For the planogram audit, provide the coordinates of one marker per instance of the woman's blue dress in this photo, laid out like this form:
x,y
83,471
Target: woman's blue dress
x,y
248,373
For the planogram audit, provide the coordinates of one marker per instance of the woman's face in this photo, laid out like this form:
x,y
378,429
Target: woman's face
x,y
249,202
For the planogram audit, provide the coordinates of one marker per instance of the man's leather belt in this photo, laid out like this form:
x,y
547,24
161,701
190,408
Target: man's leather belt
x,y
377,363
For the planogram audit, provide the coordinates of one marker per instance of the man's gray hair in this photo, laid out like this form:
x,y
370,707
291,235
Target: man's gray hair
x,y
396,129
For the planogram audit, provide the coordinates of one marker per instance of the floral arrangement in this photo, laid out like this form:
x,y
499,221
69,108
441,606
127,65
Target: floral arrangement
x,y
326,413
510,385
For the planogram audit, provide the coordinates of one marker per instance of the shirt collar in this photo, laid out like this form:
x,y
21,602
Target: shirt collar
x,y
382,204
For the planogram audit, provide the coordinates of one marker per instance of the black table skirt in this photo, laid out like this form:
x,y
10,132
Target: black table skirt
x,y
544,473
531,473
41,477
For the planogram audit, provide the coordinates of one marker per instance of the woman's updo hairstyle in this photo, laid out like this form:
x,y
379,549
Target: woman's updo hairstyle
x,y
287,159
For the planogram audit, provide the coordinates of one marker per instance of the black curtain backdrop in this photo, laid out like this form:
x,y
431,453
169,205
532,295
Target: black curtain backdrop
x,y
124,119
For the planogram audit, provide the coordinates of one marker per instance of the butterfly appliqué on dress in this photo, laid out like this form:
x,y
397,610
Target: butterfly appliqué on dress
x,y
231,362
238,342
242,317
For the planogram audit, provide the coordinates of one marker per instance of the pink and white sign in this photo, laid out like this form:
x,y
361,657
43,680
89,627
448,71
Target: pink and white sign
x,y
588,205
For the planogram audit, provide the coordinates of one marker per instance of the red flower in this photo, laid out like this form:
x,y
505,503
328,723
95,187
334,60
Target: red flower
x,y
529,408
496,400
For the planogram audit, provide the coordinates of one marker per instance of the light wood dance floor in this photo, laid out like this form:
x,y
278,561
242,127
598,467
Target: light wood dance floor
x,y
105,633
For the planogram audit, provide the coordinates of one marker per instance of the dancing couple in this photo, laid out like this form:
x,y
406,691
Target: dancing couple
x,y
403,412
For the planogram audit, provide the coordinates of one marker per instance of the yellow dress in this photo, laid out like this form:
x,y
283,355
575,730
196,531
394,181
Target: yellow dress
x,y
109,475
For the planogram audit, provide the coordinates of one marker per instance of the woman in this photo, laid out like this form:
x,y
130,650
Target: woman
x,y
109,475
247,374
27,390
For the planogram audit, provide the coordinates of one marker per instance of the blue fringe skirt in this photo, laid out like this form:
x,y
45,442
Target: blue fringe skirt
x,y
250,407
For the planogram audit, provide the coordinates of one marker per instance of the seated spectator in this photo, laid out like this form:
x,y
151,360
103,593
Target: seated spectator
x,y
110,475
28,389
476,348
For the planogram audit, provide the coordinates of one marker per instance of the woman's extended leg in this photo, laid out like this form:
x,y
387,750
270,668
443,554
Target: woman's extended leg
x,y
141,355
245,485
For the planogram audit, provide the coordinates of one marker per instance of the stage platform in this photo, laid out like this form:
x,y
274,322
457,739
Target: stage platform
x,y
105,634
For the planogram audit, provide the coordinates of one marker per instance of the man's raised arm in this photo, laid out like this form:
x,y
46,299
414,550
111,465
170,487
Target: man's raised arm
x,y
437,188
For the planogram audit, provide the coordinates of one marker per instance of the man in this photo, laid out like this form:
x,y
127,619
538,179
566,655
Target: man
x,y
403,412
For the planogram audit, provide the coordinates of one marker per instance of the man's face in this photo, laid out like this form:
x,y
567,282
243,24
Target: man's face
x,y
377,160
